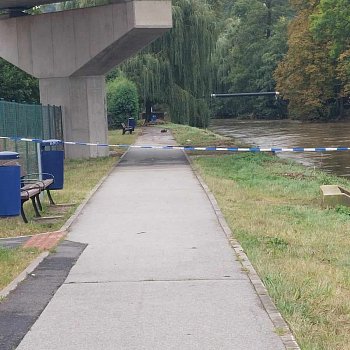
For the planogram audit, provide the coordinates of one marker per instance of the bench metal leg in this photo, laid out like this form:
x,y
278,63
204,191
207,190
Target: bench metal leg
x,y
38,202
37,214
50,198
23,214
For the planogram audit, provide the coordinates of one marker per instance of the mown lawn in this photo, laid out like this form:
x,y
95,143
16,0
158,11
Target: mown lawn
x,y
13,262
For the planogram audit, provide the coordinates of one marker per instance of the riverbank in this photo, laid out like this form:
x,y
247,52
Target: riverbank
x,y
300,250
293,133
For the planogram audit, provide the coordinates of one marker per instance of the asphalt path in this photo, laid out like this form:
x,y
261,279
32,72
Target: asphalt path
x,y
23,306
158,271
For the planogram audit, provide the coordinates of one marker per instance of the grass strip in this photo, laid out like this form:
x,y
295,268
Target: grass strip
x,y
300,250
13,262
188,136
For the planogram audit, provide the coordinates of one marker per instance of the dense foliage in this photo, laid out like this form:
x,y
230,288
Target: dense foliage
x,y
303,76
16,85
332,23
300,48
177,69
122,102
249,47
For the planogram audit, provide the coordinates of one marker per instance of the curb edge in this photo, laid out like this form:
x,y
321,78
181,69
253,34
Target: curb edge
x,y
23,275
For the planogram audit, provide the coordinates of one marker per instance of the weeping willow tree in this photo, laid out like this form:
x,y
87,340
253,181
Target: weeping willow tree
x,y
176,69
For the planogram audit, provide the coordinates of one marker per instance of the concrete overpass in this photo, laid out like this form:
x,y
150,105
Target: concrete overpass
x,y
71,51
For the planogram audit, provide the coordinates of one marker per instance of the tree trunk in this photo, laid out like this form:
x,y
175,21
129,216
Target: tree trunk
x,y
148,116
269,18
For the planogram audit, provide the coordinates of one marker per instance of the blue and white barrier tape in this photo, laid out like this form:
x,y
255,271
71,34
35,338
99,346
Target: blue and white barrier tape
x,y
184,148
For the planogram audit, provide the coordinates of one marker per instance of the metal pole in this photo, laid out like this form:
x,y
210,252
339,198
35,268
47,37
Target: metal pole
x,y
40,167
239,94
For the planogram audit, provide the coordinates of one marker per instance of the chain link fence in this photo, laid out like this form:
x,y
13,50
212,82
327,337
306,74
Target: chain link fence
x,y
28,121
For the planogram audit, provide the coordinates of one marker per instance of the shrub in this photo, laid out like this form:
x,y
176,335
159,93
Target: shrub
x,y
122,101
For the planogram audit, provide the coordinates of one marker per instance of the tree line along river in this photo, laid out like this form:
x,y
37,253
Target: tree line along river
x,y
290,133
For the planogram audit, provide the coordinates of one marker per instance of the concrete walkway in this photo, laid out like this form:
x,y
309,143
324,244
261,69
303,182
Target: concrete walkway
x,y
158,271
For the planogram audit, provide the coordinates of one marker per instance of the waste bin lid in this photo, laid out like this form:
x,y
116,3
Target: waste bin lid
x,y
5,155
51,142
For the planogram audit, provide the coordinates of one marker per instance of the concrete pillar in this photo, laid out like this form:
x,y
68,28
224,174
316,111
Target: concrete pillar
x,y
83,101
71,51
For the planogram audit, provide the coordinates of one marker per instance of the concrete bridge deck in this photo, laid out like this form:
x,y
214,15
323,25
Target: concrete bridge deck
x,y
158,271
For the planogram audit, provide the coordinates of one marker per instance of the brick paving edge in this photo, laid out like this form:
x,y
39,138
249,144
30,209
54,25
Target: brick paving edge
x,y
278,321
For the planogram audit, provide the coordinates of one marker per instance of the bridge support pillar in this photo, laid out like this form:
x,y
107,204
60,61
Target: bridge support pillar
x,y
84,112
71,51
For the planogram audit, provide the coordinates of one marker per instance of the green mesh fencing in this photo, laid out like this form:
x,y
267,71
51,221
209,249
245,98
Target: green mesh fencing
x,y
29,121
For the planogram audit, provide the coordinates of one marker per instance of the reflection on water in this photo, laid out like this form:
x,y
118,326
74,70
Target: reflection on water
x,y
287,133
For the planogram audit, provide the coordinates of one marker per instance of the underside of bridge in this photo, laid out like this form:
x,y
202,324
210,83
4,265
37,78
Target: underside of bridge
x,y
71,51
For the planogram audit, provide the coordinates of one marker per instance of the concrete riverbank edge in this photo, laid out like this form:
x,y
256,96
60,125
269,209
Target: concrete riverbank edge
x,y
281,326
64,229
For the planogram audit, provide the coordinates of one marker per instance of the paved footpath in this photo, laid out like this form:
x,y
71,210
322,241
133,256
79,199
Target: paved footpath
x,y
158,271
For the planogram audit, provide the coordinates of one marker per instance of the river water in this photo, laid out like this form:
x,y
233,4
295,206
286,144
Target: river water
x,y
289,133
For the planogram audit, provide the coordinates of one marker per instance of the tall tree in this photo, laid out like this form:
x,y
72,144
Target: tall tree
x,y
248,50
331,22
306,75
177,69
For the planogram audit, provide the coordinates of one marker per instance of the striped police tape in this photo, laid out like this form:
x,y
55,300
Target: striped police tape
x,y
184,148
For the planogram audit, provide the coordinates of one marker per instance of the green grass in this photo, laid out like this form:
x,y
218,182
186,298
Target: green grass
x,y
300,250
116,137
13,262
186,135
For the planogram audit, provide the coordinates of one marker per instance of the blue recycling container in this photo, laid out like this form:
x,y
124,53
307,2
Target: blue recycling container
x,y
52,161
132,123
10,184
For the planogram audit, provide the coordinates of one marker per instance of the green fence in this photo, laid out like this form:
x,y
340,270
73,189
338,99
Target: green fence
x,y
29,121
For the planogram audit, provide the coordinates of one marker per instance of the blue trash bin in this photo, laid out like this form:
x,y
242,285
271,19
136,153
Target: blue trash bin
x,y
10,184
132,123
52,160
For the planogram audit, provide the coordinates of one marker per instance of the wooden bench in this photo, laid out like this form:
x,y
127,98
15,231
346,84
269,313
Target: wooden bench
x,y
27,194
127,128
31,189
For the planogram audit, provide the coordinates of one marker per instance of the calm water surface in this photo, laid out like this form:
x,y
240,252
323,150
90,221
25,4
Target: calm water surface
x,y
287,133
